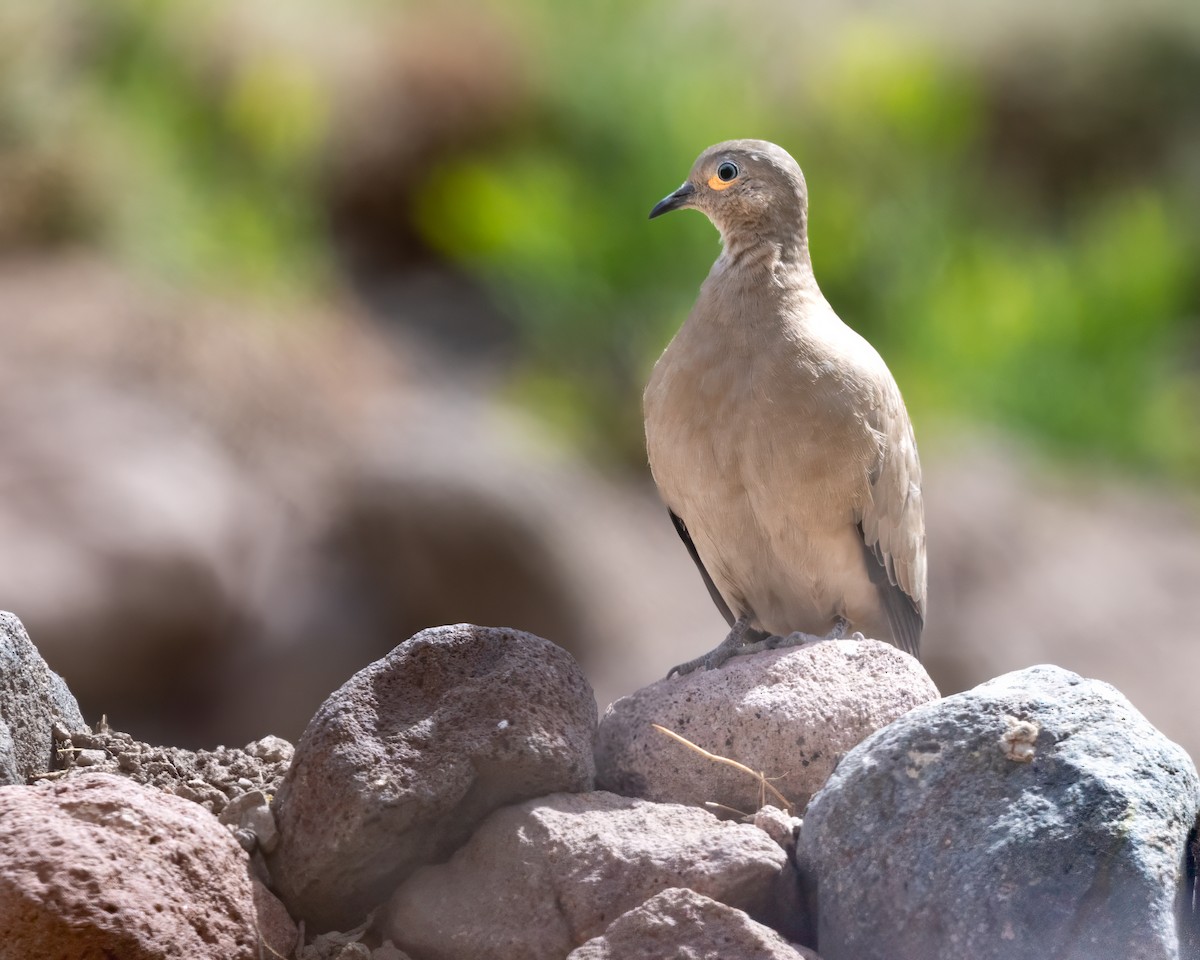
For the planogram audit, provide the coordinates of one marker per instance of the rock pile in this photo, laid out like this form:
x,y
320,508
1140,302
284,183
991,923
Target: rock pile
x,y
458,798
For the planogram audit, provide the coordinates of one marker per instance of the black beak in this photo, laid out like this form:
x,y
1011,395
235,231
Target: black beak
x,y
673,201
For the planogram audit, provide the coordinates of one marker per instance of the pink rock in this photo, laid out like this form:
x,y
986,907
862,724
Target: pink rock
x,y
95,867
541,878
683,923
789,714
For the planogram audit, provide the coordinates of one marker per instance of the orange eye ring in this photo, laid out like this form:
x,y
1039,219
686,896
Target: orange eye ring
x,y
726,174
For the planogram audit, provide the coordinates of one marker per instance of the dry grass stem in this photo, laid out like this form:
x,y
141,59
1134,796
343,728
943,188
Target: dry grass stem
x,y
764,785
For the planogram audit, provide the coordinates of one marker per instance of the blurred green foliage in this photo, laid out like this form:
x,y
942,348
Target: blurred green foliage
x,y
1073,321
998,287
198,169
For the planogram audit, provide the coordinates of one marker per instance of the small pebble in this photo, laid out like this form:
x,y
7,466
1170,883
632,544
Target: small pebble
x,y
271,748
779,825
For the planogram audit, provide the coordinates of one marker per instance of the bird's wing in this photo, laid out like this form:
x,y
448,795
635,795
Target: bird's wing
x,y
682,530
893,521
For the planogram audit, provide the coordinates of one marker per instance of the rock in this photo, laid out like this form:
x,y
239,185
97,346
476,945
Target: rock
x,y
97,866
1189,933
790,714
252,812
682,923
32,699
1008,532
543,877
271,749
1038,815
404,760
9,773
277,932
211,778
349,945
388,951
778,825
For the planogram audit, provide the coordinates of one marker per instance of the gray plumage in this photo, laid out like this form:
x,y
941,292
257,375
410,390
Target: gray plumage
x,y
777,435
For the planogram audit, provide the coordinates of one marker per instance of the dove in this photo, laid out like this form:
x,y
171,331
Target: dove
x,y
777,436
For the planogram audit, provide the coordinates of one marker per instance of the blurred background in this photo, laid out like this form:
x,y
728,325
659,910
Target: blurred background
x,y
321,323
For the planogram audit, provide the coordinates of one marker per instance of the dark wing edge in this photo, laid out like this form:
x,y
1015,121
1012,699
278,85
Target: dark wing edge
x,y
682,530
903,613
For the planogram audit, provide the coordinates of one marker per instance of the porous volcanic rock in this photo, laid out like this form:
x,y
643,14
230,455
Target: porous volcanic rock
x,y
95,866
789,714
682,923
541,878
404,760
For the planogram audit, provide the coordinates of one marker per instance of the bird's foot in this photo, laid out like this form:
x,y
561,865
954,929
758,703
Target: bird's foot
x,y
741,640
800,639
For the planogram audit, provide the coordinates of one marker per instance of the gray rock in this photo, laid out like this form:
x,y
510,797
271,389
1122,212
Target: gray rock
x,y
778,825
402,763
682,923
790,714
271,749
251,812
8,758
543,877
1038,815
32,698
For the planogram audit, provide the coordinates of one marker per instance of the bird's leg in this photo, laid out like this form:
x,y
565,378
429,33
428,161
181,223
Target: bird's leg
x,y
737,643
839,632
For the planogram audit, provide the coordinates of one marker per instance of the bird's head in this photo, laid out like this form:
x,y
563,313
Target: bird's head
x,y
748,189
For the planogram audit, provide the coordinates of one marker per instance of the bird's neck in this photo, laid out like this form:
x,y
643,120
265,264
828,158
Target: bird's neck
x,y
759,260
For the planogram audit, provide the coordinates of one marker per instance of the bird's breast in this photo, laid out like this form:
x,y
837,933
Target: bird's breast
x,y
721,411
758,447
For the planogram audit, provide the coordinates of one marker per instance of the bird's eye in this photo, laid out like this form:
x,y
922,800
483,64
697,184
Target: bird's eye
x,y
727,171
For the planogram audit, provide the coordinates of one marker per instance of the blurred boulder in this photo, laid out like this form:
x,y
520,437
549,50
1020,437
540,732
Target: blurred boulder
x,y
543,877
404,760
198,499
98,866
155,467
1038,814
789,714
